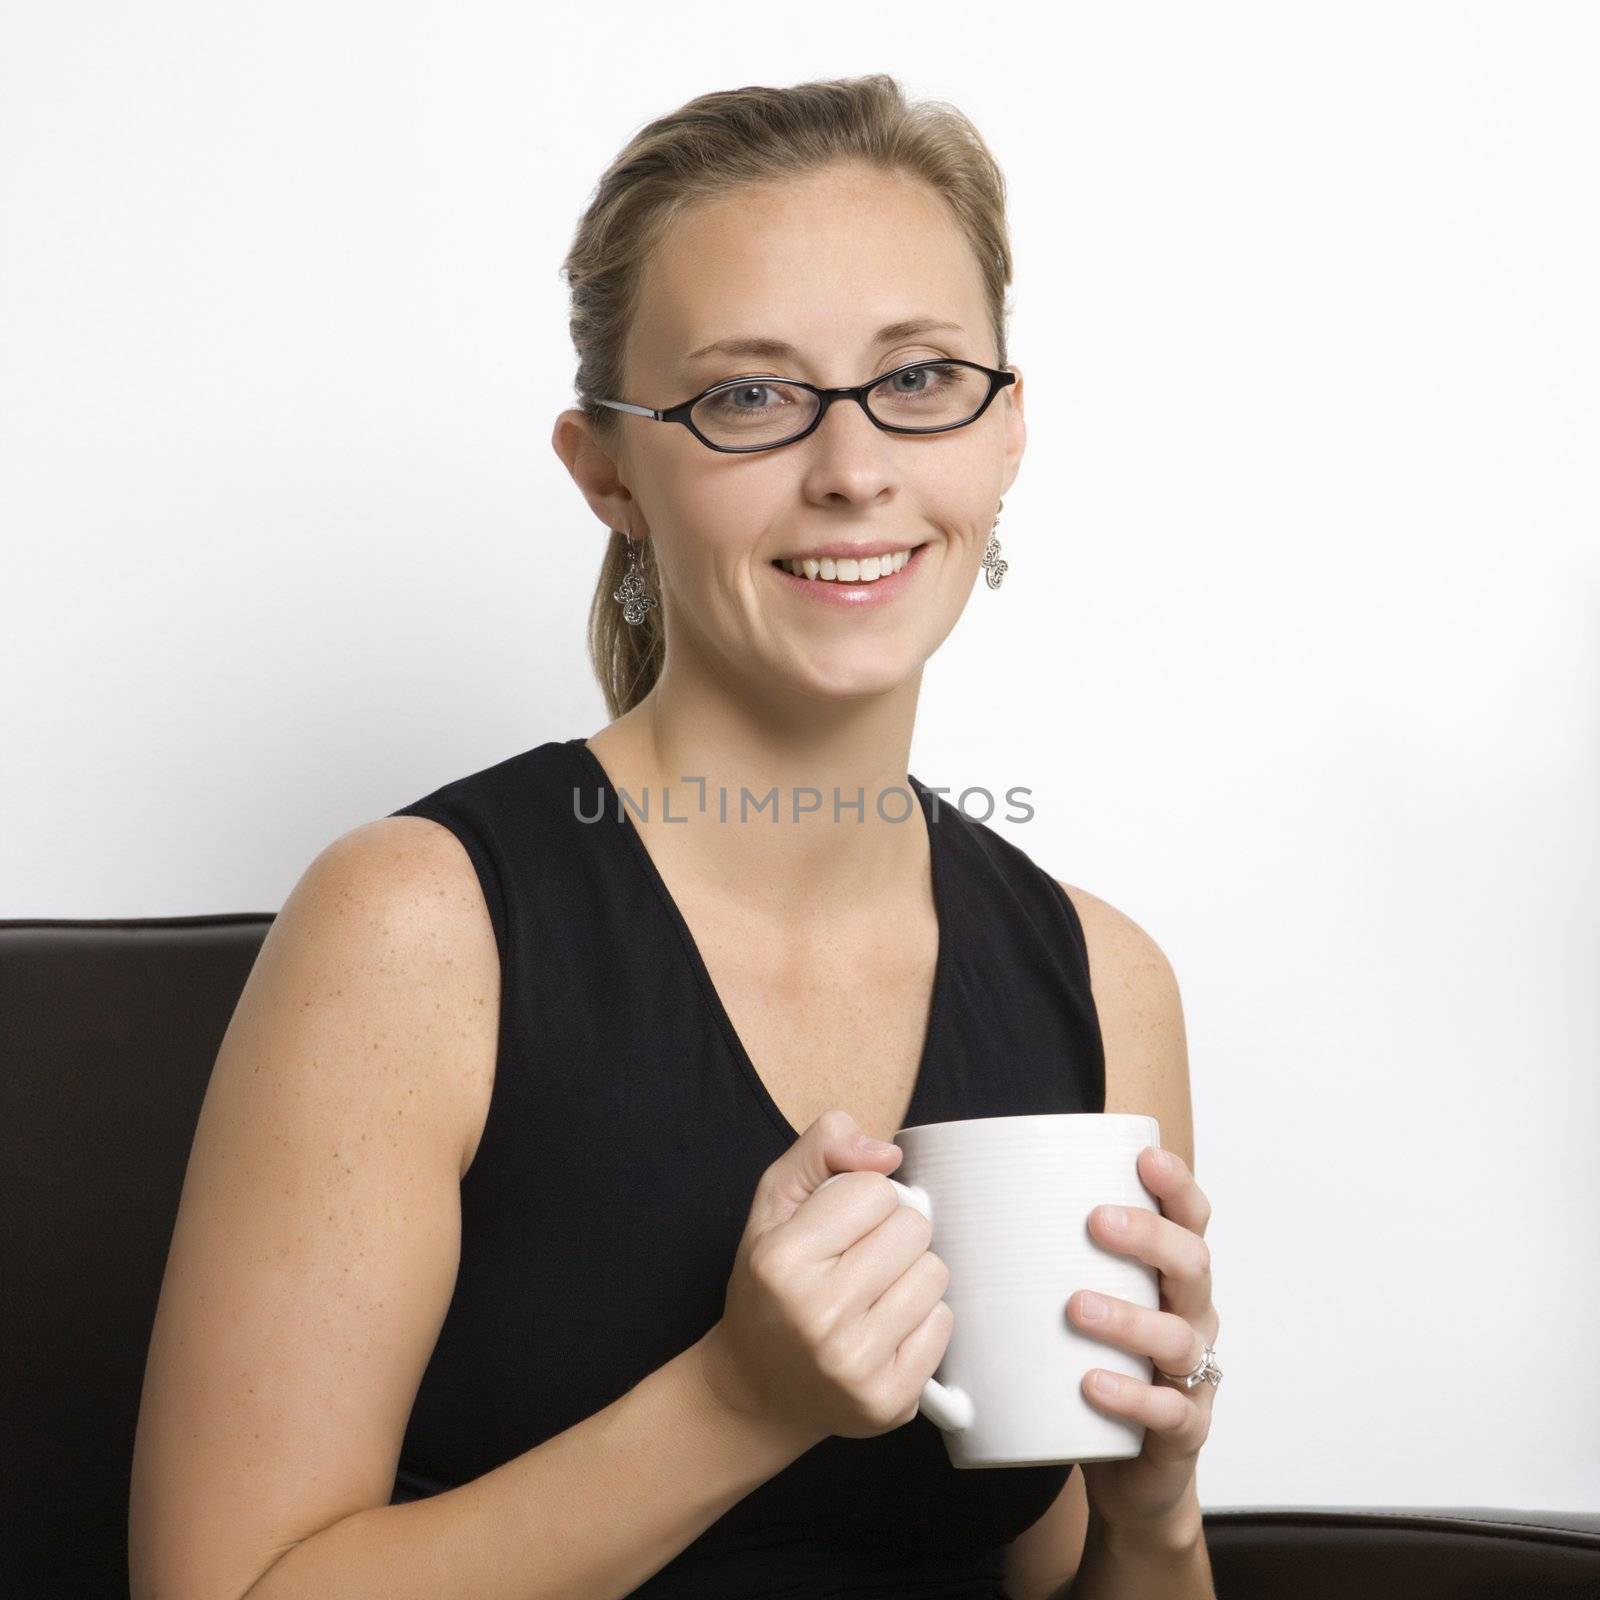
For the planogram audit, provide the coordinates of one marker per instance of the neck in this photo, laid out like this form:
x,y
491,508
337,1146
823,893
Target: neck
x,y
806,815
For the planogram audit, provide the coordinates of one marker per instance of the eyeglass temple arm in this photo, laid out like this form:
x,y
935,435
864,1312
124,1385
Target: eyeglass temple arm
x,y
638,411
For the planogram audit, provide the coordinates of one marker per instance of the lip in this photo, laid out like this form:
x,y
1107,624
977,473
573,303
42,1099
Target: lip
x,y
854,594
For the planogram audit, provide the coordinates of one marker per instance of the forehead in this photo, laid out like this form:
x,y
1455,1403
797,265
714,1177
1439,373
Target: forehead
x,y
821,262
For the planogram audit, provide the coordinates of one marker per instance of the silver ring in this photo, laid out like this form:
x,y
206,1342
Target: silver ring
x,y
1207,1372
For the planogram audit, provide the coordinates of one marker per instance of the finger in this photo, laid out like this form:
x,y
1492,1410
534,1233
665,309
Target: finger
x,y
1176,1426
1170,1341
1181,1256
1167,1177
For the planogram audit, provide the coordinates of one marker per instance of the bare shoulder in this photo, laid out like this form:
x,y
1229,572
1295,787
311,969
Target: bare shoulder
x,y
317,1240
1111,933
425,888
1141,1020
404,893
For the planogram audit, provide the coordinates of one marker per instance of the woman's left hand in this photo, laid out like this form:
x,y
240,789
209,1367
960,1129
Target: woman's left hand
x,y
1155,1488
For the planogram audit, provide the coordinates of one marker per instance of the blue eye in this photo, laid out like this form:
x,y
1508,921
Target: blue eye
x,y
727,400
934,372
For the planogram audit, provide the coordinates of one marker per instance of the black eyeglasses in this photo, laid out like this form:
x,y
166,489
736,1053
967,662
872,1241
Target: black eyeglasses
x,y
941,395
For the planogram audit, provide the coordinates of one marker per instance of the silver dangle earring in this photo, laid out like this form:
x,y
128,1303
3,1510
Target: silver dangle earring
x,y
994,569
636,600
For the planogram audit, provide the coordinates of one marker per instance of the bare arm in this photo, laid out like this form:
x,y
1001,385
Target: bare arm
x,y
588,1515
311,1266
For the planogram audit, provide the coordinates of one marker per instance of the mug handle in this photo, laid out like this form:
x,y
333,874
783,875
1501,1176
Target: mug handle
x,y
944,1405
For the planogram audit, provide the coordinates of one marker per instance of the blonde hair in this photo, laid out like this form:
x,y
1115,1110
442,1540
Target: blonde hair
x,y
708,147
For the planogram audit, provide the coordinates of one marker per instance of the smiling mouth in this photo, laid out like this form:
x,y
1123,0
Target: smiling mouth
x,y
838,569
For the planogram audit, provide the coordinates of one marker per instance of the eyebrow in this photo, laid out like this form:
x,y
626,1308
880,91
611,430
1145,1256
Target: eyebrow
x,y
776,349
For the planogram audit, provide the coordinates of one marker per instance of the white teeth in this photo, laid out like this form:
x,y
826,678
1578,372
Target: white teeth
x,y
828,570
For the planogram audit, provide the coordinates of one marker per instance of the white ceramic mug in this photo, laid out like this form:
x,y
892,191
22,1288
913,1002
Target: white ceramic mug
x,y
1009,1199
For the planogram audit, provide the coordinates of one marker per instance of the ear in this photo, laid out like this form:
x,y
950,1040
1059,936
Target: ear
x,y
597,473
1016,429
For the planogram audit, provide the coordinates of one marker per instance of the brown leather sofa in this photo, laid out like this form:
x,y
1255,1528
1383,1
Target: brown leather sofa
x,y
108,1031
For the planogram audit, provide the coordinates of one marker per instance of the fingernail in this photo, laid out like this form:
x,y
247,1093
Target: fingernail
x,y
875,1147
1161,1161
1090,1306
1114,1217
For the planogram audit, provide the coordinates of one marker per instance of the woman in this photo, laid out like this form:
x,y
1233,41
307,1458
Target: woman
x,y
497,1271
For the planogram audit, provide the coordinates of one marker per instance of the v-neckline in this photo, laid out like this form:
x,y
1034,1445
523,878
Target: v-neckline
x,y
702,973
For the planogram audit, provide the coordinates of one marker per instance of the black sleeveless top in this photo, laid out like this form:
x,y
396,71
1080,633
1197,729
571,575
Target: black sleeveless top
x,y
625,1134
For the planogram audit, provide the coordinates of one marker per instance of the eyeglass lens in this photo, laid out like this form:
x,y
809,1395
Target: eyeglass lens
x,y
765,411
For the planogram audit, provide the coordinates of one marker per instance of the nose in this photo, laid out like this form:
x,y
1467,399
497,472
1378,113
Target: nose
x,y
844,400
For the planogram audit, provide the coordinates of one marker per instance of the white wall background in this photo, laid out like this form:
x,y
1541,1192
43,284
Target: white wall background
x,y
1298,647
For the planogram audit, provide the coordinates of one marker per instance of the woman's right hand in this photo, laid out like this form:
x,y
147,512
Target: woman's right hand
x,y
834,1316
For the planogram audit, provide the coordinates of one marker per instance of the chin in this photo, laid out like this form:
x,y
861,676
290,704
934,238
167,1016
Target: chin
x,y
836,681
